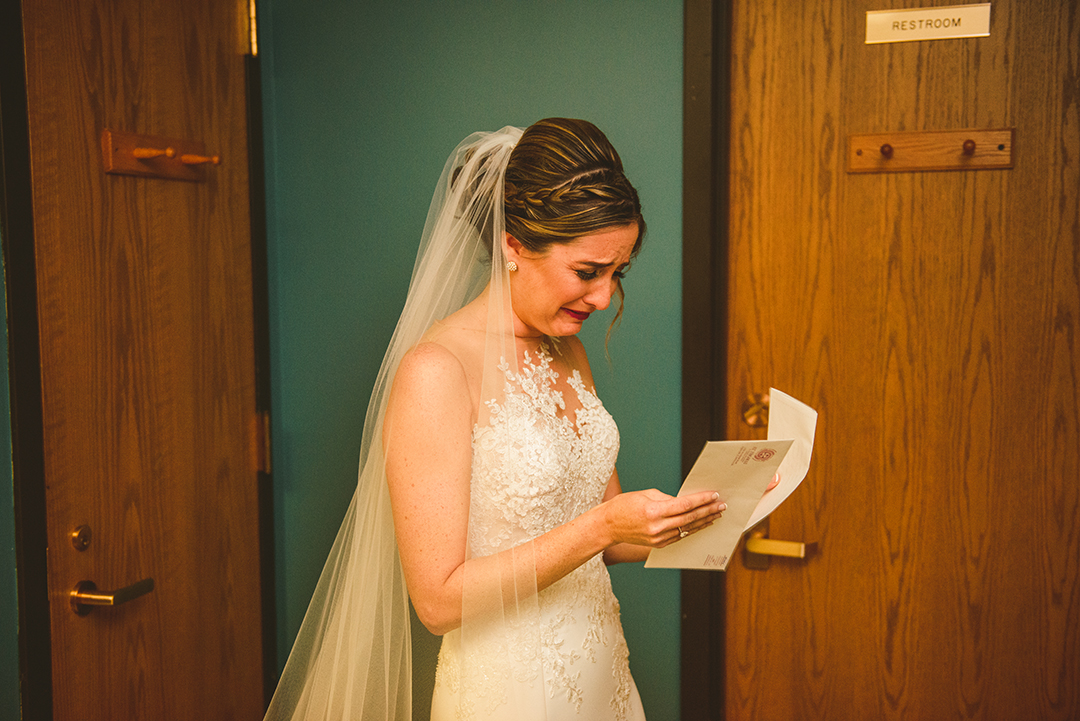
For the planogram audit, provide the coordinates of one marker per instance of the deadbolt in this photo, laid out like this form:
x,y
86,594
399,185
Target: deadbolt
x,y
755,410
80,537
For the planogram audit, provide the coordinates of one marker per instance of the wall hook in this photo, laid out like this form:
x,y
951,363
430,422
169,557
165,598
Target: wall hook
x,y
913,151
200,159
151,156
147,153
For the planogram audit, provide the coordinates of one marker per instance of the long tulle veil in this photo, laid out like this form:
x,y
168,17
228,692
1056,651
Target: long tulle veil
x,y
352,658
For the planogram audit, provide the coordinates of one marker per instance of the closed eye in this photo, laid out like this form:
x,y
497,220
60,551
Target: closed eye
x,y
593,274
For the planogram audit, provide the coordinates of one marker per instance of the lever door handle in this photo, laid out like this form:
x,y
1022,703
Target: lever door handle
x,y
758,548
86,595
758,543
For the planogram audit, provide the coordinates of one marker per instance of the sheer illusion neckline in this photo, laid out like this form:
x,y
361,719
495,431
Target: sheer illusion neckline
x,y
547,388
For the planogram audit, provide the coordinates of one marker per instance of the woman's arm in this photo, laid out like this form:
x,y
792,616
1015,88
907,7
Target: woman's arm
x,y
428,440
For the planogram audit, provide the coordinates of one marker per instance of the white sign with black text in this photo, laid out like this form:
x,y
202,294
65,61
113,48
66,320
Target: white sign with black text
x,y
940,23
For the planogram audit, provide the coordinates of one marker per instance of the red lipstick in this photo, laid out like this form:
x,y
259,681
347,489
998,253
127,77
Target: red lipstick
x,y
578,315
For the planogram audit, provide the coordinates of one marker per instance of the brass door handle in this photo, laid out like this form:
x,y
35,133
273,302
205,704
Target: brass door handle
x,y
759,548
86,595
758,543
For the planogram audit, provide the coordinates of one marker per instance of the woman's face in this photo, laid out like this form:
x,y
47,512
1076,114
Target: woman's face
x,y
553,293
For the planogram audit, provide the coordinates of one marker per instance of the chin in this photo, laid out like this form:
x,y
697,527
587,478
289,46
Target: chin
x,y
565,329
559,326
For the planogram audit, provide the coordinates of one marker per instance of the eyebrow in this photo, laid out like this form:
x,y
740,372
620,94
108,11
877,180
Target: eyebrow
x,y
597,264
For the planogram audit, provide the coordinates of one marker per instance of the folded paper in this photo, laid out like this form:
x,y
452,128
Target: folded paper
x,y
788,418
740,471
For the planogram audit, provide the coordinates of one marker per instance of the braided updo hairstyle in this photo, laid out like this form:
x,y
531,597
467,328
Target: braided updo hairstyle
x,y
565,180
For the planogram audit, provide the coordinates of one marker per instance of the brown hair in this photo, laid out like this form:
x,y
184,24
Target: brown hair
x,y
564,180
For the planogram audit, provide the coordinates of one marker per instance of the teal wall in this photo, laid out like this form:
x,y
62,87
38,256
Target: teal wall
x,y
9,599
363,103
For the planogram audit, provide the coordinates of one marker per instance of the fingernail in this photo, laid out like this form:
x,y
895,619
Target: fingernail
x,y
716,496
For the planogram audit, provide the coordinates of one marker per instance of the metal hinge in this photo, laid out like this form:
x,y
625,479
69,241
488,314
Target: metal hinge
x,y
253,34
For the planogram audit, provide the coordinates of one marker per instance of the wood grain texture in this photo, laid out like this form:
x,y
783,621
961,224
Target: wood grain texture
x,y
144,296
932,318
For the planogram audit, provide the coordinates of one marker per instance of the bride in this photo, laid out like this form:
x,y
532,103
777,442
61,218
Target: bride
x,y
487,492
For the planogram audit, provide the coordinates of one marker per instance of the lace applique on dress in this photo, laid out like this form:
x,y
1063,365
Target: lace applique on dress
x,y
534,470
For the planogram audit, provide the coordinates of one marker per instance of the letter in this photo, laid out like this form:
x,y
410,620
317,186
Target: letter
x,y
895,25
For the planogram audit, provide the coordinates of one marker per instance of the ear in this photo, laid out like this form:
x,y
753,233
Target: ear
x,y
512,247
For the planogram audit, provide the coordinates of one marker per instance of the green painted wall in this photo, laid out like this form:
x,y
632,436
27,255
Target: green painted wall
x,y
9,598
363,102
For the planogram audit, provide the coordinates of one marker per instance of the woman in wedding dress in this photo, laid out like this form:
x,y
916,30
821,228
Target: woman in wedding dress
x,y
487,486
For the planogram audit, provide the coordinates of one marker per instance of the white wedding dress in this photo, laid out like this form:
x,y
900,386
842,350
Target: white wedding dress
x,y
556,467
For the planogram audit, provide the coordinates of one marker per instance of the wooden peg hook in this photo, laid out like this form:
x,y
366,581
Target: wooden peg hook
x,y
200,159
152,156
147,153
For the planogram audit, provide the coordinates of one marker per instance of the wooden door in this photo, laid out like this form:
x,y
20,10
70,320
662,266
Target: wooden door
x,y
933,318
144,297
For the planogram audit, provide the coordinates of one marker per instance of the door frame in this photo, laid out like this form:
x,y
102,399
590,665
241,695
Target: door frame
x,y
706,82
24,370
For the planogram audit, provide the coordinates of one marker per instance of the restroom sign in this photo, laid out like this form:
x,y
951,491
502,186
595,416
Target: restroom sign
x,y
939,23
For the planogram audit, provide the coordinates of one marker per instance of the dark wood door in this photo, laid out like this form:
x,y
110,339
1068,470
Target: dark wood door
x,y
933,318
144,296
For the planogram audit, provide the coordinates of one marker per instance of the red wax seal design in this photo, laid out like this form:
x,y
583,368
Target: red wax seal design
x,y
764,454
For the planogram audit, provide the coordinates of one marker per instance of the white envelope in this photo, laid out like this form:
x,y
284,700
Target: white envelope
x,y
723,466
739,471
788,418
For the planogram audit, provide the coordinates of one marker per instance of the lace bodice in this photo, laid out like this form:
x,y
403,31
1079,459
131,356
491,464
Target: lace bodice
x,y
535,467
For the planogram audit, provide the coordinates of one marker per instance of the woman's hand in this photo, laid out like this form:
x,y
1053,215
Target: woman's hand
x,y
655,519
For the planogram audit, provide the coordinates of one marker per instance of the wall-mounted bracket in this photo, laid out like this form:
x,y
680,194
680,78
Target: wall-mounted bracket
x,y
930,150
150,156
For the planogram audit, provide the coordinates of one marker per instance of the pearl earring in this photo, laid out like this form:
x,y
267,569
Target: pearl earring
x,y
511,266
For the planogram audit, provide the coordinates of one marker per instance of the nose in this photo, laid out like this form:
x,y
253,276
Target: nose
x,y
599,295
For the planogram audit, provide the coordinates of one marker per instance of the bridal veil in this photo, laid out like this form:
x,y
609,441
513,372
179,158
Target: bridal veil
x,y
352,658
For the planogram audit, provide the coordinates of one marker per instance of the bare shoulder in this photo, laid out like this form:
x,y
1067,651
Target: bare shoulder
x,y
430,357
429,402
430,369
